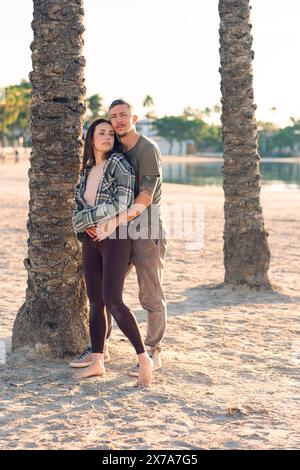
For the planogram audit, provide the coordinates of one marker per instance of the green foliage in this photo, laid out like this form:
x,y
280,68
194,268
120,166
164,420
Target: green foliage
x,y
148,104
95,109
95,105
189,127
274,141
148,101
15,108
213,138
15,101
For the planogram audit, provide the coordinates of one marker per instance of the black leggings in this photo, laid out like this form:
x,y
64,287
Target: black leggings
x,y
105,264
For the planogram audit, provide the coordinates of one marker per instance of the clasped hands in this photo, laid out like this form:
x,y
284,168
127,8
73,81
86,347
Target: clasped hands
x,y
102,231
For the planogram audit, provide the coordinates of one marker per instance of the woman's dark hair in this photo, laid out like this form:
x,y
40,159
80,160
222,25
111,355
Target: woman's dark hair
x,y
88,151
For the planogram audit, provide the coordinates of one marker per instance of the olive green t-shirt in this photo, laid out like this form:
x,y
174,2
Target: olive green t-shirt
x,y
145,158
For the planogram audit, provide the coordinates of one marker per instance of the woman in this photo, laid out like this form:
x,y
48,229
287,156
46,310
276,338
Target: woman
x,y
106,188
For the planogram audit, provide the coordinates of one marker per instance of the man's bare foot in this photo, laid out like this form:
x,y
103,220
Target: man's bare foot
x,y
95,369
145,370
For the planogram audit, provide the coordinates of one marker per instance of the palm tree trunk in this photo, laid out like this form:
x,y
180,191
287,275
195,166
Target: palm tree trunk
x,y
246,251
53,318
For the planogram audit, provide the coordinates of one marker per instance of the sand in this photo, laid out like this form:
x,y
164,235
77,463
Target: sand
x,y
231,357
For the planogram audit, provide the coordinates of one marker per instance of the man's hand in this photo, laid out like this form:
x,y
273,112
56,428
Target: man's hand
x,y
105,229
91,231
143,200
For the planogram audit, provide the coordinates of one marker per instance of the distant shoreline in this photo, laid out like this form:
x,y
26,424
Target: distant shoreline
x,y
24,154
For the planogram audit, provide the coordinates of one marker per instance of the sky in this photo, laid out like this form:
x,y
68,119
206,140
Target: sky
x,y
168,49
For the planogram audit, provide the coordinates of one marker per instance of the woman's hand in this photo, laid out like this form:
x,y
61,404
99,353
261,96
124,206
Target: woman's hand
x,y
105,229
91,231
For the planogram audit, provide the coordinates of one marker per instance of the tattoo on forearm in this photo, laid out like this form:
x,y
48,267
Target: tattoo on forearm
x,y
148,184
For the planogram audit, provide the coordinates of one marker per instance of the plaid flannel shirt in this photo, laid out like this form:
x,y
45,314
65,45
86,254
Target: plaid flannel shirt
x,y
114,195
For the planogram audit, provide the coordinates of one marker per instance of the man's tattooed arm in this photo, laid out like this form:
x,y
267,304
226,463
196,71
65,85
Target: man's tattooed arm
x,y
143,200
148,185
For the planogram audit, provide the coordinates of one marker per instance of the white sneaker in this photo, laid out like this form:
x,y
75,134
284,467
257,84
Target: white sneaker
x,y
157,361
85,359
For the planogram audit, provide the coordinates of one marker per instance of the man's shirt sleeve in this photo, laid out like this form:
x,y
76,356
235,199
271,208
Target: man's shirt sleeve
x,y
150,162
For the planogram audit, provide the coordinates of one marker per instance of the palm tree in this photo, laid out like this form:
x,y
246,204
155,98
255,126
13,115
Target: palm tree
x,y
246,251
53,318
148,103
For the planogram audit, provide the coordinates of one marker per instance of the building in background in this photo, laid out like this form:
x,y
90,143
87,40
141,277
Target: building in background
x,y
145,127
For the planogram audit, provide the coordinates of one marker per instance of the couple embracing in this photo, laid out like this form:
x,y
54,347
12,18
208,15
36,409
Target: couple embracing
x,y
118,219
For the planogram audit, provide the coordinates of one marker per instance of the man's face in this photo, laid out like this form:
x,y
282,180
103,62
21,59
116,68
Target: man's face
x,y
122,119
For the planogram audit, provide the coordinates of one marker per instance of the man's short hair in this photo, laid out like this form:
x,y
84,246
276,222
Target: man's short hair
x,y
121,101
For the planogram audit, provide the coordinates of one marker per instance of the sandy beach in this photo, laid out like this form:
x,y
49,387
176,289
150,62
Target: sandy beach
x,y
231,357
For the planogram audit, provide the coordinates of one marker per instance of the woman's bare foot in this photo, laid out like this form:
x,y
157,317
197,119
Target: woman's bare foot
x,y
145,370
95,369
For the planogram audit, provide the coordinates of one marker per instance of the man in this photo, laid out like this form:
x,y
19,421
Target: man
x,y
146,225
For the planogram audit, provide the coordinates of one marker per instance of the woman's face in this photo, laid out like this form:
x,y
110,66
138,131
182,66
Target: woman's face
x,y
104,137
